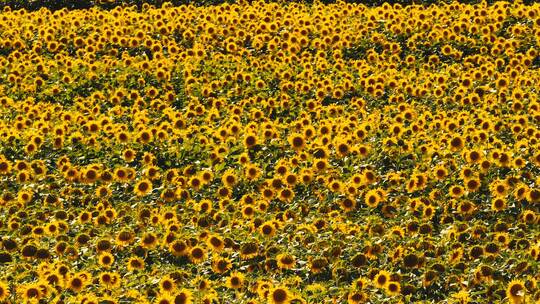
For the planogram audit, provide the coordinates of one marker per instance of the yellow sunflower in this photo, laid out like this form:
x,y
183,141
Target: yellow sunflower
x,y
279,295
516,292
4,291
235,280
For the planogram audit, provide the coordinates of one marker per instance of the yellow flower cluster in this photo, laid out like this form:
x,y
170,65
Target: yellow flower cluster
x,y
270,153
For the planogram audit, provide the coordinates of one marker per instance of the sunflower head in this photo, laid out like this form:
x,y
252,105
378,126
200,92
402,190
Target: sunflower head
x,y
516,291
279,295
4,291
235,280
382,279
393,288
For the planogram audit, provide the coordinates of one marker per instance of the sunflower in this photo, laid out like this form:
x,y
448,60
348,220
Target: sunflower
x,y
129,155
279,295
167,285
124,237
5,166
297,141
372,198
499,188
25,196
369,177
502,238
393,288
106,259
457,143
321,152
533,196
520,191
534,252
110,280
197,254
30,292
518,163
135,263
153,172
207,176
335,186
491,248
144,136
285,261
429,278
351,191
516,291
168,195
249,250
229,178
24,176
268,229
356,297
76,283
466,173
179,248
316,265
343,149
53,279
221,265
149,240
195,182
250,140
201,283
30,148
4,291
472,185
461,296
286,195
103,191
215,242
466,207
235,280
143,187
90,175
252,172
359,284
428,212
205,206
381,279
248,211
164,299
440,172
184,296
528,216
456,191
498,204
120,174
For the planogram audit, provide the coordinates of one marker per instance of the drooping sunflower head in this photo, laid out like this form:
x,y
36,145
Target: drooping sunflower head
x,y
285,261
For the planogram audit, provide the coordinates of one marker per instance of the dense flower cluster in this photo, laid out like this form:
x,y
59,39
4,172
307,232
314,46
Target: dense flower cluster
x,y
270,153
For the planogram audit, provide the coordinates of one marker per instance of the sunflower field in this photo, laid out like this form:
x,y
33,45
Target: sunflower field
x,y
270,152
